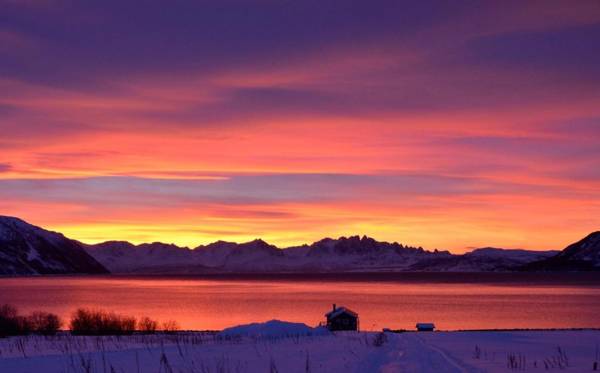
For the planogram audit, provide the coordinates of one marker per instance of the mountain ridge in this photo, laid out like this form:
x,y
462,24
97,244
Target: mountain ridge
x,y
28,249
344,254
583,255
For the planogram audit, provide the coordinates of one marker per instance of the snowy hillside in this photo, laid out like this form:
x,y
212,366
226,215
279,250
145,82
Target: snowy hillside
x,y
587,250
583,255
27,249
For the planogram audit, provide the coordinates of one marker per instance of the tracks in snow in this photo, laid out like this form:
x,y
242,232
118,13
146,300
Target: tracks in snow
x,y
409,352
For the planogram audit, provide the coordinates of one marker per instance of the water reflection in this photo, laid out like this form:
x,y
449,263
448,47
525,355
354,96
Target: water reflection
x,y
209,303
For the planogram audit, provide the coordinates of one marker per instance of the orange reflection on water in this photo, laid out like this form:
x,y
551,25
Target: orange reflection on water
x,y
200,303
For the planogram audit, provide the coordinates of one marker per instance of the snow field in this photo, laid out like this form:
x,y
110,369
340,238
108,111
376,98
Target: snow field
x,y
533,351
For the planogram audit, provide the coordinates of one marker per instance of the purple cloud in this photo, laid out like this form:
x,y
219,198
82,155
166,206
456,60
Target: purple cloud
x,y
5,167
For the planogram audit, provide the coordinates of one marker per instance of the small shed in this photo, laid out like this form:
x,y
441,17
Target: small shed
x,y
341,318
425,326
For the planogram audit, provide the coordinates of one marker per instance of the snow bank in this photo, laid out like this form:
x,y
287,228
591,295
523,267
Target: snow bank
x,y
272,329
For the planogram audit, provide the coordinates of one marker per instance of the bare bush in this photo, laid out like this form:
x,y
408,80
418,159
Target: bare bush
x,y
11,323
147,325
8,322
44,323
97,322
170,326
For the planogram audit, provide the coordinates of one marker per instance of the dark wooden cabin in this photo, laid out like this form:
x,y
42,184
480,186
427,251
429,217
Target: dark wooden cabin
x,y
342,318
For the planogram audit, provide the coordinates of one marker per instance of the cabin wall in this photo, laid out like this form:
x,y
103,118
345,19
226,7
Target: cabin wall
x,y
342,322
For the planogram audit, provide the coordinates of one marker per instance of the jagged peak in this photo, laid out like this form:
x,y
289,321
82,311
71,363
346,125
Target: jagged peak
x,y
257,243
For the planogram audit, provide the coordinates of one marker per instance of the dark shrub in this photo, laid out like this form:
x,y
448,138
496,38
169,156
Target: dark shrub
x,y
44,323
170,326
85,322
96,322
8,320
23,325
126,324
11,323
8,312
147,325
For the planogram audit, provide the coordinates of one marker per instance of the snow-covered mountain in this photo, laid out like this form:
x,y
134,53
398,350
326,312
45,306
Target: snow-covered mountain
x,y
345,254
26,249
583,255
122,256
29,250
363,254
220,256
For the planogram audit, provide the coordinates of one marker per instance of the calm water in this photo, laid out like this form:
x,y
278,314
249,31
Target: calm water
x,y
452,301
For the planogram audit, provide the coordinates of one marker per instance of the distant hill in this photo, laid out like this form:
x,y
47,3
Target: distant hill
x,y
484,260
29,250
583,255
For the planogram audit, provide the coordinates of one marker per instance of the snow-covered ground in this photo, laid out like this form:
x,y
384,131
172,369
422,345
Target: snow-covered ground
x,y
573,351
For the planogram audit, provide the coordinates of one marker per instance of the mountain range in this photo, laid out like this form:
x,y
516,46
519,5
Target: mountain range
x,y
26,249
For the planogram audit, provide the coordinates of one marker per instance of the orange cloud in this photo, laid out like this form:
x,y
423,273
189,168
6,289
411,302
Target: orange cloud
x,y
465,127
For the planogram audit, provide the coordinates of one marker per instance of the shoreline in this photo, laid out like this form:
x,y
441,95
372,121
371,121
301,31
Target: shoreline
x,y
579,277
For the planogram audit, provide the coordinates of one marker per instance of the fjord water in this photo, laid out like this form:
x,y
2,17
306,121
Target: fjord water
x,y
398,301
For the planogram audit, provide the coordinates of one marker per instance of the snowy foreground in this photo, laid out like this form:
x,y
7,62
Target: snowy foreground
x,y
313,352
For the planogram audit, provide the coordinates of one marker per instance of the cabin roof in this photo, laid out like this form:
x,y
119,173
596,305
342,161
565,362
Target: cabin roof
x,y
425,325
340,310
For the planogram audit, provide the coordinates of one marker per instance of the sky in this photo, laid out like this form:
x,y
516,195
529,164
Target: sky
x,y
448,125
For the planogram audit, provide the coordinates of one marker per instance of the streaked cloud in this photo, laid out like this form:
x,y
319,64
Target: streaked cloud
x,y
447,125
5,167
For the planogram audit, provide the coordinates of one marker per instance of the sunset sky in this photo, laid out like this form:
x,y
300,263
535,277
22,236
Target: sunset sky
x,y
449,125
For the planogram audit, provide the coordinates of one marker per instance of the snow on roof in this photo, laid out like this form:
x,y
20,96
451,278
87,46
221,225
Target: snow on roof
x,y
340,310
426,325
